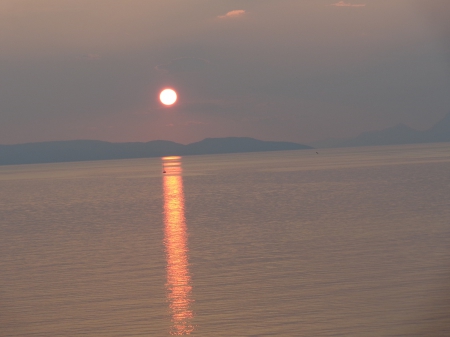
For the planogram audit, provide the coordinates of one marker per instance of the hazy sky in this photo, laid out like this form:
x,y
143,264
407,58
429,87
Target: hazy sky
x,y
291,70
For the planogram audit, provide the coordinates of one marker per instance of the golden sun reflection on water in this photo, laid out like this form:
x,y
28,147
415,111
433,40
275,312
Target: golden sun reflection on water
x,y
178,284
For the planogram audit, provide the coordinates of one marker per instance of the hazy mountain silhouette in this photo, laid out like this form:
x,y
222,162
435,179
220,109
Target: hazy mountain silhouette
x,y
399,134
82,150
440,132
238,144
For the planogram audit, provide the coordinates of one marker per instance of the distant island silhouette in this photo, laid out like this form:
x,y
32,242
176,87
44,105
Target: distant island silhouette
x,y
86,150
396,135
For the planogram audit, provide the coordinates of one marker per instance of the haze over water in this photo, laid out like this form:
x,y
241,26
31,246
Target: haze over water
x,y
347,242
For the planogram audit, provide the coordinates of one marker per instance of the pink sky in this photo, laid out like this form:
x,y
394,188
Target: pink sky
x,y
286,70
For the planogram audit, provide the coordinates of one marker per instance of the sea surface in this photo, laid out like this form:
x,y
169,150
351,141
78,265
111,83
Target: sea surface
x,y
343,242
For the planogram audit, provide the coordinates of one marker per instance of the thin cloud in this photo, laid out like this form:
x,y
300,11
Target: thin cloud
x,y
346,4
233,14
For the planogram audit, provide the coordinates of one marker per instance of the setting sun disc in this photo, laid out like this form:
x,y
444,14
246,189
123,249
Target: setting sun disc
x,y
168,96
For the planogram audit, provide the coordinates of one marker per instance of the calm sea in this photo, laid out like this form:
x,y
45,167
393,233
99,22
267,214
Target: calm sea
x,y
346,242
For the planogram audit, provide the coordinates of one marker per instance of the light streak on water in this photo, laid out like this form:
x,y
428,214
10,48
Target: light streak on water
x,y
178,284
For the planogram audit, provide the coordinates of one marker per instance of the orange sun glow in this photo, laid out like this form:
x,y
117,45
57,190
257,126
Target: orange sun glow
x,y
168,96
179,283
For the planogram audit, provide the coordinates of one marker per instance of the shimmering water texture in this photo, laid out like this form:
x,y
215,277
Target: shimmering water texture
x,y
178,278
346,242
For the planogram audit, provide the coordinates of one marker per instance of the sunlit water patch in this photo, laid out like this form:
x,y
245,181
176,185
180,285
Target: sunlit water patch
x,y
178,278
347,242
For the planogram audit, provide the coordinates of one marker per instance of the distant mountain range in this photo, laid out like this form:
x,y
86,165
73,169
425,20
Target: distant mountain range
x,y
399,134
83,150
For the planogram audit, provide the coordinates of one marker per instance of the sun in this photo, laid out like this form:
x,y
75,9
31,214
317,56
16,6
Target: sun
x,y
168,96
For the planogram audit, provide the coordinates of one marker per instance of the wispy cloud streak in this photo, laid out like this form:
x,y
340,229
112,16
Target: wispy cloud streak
x,y
233,14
